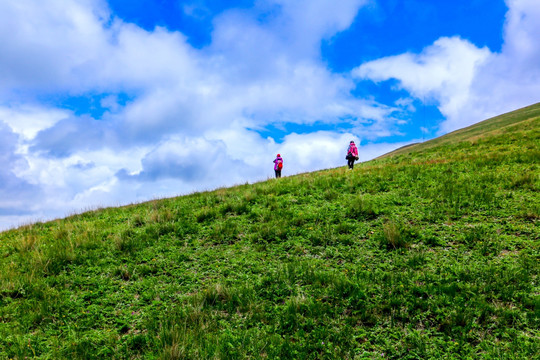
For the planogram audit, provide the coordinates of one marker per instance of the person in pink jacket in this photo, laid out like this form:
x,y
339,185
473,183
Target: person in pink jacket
x,y
352,155
278,165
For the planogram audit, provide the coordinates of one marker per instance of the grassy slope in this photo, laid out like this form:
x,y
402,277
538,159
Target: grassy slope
x,y
431,253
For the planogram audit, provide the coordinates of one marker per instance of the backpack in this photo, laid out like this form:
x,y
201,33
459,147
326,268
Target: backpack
x,y
280,164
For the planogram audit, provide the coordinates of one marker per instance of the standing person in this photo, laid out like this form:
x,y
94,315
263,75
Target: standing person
x,y
278,165
352,155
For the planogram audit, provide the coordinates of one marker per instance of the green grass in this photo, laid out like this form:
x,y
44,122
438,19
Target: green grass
x,y
431,252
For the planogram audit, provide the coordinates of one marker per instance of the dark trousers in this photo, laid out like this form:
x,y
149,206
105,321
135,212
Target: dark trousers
x,y
350,161
278,173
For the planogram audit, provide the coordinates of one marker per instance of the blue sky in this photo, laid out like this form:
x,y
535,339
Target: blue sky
x,y
106,103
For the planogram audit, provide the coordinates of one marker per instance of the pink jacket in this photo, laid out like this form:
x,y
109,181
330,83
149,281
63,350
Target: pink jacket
x,y
276,161
352,150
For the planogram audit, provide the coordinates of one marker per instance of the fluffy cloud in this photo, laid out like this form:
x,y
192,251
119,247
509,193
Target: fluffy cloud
x,y
470,83
27,120
277,25
443,72
45,43
189,119
12,163
509,79
521,33
189,160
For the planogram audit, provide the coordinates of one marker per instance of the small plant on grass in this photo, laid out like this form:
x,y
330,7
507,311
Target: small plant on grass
x,y
362,208
396,235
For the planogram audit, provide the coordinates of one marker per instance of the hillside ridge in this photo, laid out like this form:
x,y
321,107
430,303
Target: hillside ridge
x,y
481,129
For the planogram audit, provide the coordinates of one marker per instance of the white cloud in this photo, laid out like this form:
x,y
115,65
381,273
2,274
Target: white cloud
x,y
304,23
16,194
521,32
510,79
45,43
444,72
27,120
469,83
319,150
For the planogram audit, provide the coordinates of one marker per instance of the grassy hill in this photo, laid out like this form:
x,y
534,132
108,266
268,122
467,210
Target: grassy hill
x,y
430,252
